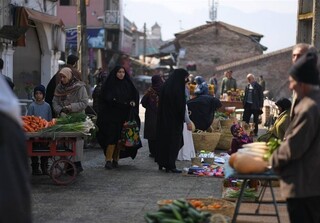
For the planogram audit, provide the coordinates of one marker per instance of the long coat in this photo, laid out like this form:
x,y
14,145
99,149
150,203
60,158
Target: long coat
x,y
114,109
150,102
257,96
297,159
171,112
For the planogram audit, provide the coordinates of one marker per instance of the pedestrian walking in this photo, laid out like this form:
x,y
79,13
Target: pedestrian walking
x,y
118,98
171,116
150,101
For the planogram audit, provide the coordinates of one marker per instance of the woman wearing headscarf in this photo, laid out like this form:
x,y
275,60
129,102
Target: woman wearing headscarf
x,y
202,87
150,102
117,99
171,115
70,96
282,122
240,137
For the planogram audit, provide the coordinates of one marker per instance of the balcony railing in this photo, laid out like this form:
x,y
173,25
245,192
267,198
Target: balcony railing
x,y
112,17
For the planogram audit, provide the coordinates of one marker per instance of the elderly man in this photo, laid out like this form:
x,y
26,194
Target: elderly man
x,y
297,159
252,102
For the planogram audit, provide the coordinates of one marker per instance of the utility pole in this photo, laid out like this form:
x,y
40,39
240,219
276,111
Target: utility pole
x,y
144,42
82,40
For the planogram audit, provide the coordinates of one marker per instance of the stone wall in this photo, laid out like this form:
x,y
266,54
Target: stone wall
x,y
214,46
273,67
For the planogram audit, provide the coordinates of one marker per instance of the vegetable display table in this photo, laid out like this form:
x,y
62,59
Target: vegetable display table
x,y
60,147
237,104
267,179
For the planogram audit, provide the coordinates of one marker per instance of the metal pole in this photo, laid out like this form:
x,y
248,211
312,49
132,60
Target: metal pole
x,y
82,39
144,42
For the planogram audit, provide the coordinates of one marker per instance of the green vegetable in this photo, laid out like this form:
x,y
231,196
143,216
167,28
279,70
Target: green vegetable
x,y
180,211
72,118
273,144
247,193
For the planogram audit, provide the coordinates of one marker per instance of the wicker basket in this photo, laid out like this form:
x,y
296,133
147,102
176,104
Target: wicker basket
x,y
225,141
206,140
226,207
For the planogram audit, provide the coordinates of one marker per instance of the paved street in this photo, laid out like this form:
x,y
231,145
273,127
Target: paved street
x,y
120,195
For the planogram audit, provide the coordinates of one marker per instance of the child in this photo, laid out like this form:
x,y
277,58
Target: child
x,y
240,138
42,109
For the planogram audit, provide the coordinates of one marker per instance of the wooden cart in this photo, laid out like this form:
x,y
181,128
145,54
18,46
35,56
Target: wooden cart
x,y
60,147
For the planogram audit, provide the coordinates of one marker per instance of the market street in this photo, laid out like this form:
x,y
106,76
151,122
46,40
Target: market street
x,y
122,195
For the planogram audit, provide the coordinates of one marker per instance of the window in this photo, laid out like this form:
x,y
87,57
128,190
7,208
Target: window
x,y
71,2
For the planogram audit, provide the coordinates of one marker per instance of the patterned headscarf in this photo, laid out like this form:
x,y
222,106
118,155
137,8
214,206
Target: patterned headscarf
x,y
238,132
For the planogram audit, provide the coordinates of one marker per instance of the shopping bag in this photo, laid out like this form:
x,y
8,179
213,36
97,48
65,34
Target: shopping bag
x,y
130,132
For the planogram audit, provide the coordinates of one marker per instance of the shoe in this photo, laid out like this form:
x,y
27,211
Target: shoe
x,y
36,172
44,171
160,167
175,170
79,169
78,166
115,164
108,165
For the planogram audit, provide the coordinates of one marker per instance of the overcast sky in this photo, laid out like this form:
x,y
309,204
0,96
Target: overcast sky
x,y
275,19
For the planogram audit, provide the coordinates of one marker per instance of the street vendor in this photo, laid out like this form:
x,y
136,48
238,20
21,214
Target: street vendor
x,y
71,96
297,158
202,109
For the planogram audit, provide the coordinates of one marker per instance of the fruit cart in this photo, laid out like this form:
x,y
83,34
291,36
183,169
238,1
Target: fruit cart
x,y
60,148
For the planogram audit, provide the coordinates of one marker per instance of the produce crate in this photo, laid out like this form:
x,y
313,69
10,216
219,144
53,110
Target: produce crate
x,y
212,205
207,141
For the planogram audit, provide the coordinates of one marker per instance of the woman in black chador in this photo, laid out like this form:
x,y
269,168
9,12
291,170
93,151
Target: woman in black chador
x,y
171,114
117,98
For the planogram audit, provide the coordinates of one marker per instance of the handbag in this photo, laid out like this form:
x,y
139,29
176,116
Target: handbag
x,y
130,132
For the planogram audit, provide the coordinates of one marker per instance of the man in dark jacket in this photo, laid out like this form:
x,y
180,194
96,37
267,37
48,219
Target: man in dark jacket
x,y
252,102
202,110
297,158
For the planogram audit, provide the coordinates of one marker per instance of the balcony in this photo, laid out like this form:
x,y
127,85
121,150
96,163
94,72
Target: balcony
x,y
112,19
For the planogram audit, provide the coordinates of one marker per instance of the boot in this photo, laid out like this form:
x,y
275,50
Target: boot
x,y
44,165
115,157
109,155
35,166
78,166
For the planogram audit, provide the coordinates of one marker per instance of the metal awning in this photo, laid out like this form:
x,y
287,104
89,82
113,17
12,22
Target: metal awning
x,y
42,17
12,32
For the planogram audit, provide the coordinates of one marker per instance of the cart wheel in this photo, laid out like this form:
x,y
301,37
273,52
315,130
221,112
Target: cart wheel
x,y
63,171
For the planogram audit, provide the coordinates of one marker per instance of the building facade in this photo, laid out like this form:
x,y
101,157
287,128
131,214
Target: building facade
x,y
31,41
